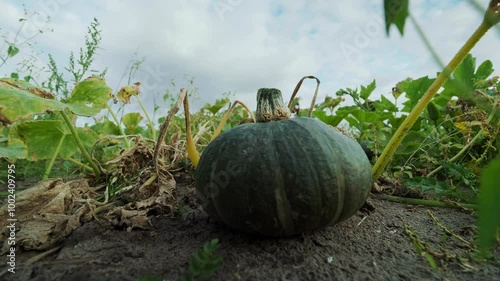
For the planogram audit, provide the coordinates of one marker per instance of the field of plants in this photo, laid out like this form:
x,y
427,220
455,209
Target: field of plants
x,y
124,179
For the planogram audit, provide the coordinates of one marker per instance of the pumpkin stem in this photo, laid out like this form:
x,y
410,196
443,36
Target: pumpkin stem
x,y
270,105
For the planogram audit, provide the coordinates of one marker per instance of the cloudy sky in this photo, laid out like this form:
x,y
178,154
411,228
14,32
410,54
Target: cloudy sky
x,y
242,45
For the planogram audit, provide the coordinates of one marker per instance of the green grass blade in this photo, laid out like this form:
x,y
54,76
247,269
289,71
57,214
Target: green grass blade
x,y
489,205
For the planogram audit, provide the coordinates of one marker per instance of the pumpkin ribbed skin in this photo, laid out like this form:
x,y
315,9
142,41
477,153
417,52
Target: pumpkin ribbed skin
x,y
282,178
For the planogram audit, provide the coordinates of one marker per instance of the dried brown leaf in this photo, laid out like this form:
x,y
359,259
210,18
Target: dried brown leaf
x,y
48,212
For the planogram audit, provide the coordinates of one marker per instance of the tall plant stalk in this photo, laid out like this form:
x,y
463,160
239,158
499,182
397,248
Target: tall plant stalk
x,y
79,143
150,123
117,122
492,17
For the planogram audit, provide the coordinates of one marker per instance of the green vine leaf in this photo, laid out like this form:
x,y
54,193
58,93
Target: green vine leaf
x,y
385,104
484,70
414,90
412,142
332,120
92,92
365,92
204,262
396,12
105,127
12,50
40,138
20,99
14,149
219,103
132,120
466,76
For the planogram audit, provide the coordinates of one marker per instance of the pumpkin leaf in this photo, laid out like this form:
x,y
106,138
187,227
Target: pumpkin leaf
x,y
411,143
484,70
126,92
40,137
332,120
20,99
396,12
432,111
105,127
365,92
15,149
465,77
219,103
385,104
464,73
369,117
92,92
427,184
204,263
131,121
414,90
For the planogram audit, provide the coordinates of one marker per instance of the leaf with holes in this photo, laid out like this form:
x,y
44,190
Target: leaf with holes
x,y
92,92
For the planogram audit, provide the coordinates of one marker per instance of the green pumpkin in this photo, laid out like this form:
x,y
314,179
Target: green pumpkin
x,y
282,176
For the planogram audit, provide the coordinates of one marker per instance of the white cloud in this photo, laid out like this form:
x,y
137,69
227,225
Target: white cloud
x,y
246,45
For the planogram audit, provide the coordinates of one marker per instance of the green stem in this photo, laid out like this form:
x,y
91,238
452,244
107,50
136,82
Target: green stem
x,y
448,231
53,159
480,9
489,145
150,123
79,143
80,164
398,137
423,202
127,143
422,248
